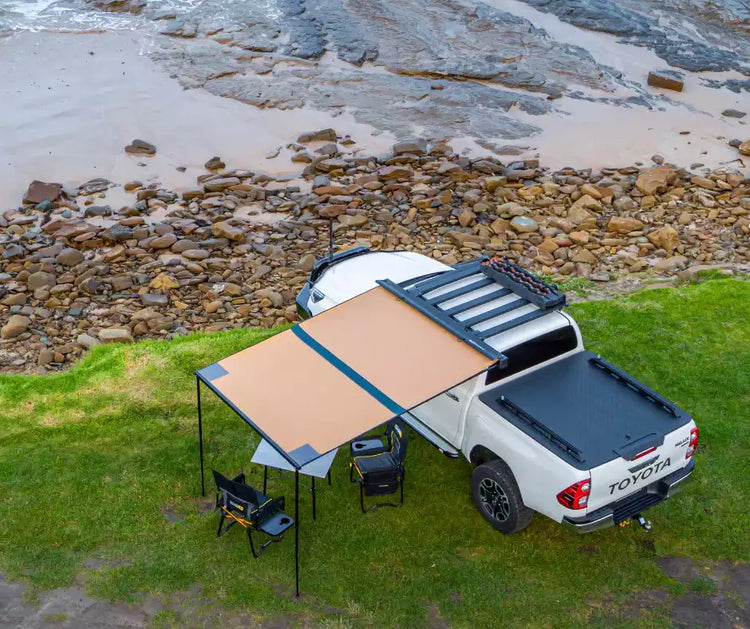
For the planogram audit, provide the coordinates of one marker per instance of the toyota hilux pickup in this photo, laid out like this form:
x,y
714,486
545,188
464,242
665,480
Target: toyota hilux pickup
x,y
551,427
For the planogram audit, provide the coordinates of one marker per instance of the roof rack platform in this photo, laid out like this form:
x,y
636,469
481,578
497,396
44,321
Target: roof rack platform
x,y
449,297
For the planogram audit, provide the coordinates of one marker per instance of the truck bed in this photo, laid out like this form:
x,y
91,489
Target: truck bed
x,y
586,410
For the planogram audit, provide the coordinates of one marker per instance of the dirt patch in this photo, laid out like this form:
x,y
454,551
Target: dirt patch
x,y
716,595
62,608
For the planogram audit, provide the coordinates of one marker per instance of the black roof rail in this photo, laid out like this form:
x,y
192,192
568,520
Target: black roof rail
x,y
540,427
321,265
641,389
497,278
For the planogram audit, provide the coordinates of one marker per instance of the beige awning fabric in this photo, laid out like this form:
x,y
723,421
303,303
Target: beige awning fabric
x,y
320,384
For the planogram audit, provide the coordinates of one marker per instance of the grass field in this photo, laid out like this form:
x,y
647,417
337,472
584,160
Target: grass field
x,y
101,463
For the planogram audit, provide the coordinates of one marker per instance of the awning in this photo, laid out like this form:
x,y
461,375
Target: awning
x,y
331,378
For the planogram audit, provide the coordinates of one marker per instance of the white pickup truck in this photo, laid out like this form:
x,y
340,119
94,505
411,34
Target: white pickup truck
x,y
551,428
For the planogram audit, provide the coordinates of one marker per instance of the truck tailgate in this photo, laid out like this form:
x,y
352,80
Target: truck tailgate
x,y
596,417
621,477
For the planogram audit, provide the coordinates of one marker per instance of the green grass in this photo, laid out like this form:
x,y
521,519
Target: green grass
x,y
703,585
91,459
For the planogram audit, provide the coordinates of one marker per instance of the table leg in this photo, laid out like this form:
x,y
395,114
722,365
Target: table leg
x,y
200,433
313,493
265,479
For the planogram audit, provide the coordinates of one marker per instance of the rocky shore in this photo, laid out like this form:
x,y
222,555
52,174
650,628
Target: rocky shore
x,y
234,250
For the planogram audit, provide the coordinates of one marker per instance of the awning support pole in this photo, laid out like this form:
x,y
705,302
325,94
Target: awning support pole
x,y
296,528
200,433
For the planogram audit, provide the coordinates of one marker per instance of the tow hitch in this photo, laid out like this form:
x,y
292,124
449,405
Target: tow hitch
x,y
645,524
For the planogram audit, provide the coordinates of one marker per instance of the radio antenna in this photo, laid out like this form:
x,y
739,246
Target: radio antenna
x,y
330,238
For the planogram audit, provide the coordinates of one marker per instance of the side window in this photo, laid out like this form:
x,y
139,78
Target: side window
x,y
533,352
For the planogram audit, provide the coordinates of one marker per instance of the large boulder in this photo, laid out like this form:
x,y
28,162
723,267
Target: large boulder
x,y
624,224
655,180
665,238
39,191
584,209
17,324
40,279
140,147
322,135
224,229
69,257
115,335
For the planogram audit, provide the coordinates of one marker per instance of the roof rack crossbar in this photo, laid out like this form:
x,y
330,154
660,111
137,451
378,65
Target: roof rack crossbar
x,y
513,323
459,292
474,275
438,316
477,301
495,312
444,278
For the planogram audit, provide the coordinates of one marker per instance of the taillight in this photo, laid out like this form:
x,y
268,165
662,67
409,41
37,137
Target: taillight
x,y
644,453
576,496
693,442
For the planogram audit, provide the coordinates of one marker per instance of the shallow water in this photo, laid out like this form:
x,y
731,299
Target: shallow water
x,y
70,101
67,115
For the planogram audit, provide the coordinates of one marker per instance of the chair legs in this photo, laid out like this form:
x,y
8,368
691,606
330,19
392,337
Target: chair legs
x,y
222,521
272,539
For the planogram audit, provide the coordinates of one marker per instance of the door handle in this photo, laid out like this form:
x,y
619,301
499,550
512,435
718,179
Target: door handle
x,y
452,396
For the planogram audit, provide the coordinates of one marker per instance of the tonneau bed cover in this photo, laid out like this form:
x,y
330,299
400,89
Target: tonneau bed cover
x,y
586,410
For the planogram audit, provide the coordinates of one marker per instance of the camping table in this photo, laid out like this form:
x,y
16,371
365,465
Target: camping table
x,y
267,456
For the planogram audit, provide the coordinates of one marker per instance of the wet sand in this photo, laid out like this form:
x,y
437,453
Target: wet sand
x,y
69,104
67,114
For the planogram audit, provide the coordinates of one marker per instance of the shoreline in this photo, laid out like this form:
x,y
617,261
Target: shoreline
x,y
73,101
235,249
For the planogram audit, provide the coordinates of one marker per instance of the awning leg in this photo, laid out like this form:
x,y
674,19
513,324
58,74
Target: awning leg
x,y
313,495
200,433
296,528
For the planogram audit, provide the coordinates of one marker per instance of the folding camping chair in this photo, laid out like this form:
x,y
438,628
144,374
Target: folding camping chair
x,y
241,504
382,473
373,443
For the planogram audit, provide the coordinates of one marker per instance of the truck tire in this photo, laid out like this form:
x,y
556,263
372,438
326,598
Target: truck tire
x,y
497,497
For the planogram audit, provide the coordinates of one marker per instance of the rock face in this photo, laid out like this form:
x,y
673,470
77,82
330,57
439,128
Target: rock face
x,y
435,83
693,42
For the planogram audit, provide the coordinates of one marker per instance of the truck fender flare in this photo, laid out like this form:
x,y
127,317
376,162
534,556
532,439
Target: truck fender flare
x,y
480,454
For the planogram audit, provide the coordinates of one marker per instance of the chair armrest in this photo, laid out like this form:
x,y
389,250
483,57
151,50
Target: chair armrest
x,y
362,447
266,510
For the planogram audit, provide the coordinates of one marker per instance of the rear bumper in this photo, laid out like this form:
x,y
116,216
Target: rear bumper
x,y
632,505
